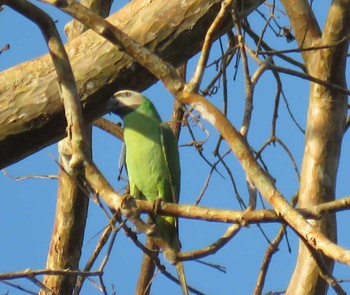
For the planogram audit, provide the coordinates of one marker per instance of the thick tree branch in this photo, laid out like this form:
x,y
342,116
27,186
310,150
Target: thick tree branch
x,y
100,69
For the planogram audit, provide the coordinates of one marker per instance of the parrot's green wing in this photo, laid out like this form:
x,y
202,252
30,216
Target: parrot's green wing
x,y
172,160
171,156
171,168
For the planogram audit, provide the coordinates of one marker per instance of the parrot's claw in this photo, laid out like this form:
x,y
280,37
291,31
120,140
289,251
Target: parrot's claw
x,y
157,205
128,203
125,199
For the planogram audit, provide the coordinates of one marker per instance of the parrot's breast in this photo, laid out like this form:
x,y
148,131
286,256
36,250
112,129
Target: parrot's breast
x,y
147,168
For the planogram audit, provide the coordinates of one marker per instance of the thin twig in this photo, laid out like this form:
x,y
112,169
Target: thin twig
x,y
20,288
5,48
208,40
110,127
298,74
21,178
28,272
295,50
263,44
274,139
213,248
271,249
249,86
228,170
226,59
102,241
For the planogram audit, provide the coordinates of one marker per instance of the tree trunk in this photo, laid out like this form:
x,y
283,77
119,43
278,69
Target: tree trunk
x,y
324,129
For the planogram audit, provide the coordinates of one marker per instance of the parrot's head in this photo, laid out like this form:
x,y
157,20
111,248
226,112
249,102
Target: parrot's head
x,y
125,101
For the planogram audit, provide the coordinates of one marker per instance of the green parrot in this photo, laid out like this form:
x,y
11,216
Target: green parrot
x,y
152,161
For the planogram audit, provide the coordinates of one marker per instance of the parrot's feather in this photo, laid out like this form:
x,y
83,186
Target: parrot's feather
x,y
121,162
182,278
171,155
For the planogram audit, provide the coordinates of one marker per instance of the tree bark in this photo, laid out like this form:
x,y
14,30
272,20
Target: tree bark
x,y
32,116
324,130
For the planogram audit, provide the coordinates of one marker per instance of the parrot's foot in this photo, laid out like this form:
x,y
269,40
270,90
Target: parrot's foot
x,y
125,199
157,205
128,205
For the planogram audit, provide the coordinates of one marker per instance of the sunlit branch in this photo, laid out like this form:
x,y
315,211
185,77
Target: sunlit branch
x,y
232,216
26,177
161,69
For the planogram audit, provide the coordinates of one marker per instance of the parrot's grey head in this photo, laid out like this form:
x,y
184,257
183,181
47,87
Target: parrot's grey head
x,y
125,101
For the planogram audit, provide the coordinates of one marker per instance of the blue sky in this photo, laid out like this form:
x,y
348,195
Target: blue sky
x,y
28,207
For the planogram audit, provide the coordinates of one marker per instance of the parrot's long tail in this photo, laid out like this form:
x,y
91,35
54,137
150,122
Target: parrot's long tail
x,y
181,274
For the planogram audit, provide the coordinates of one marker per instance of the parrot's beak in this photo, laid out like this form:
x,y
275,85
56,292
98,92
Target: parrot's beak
x,y
113,105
